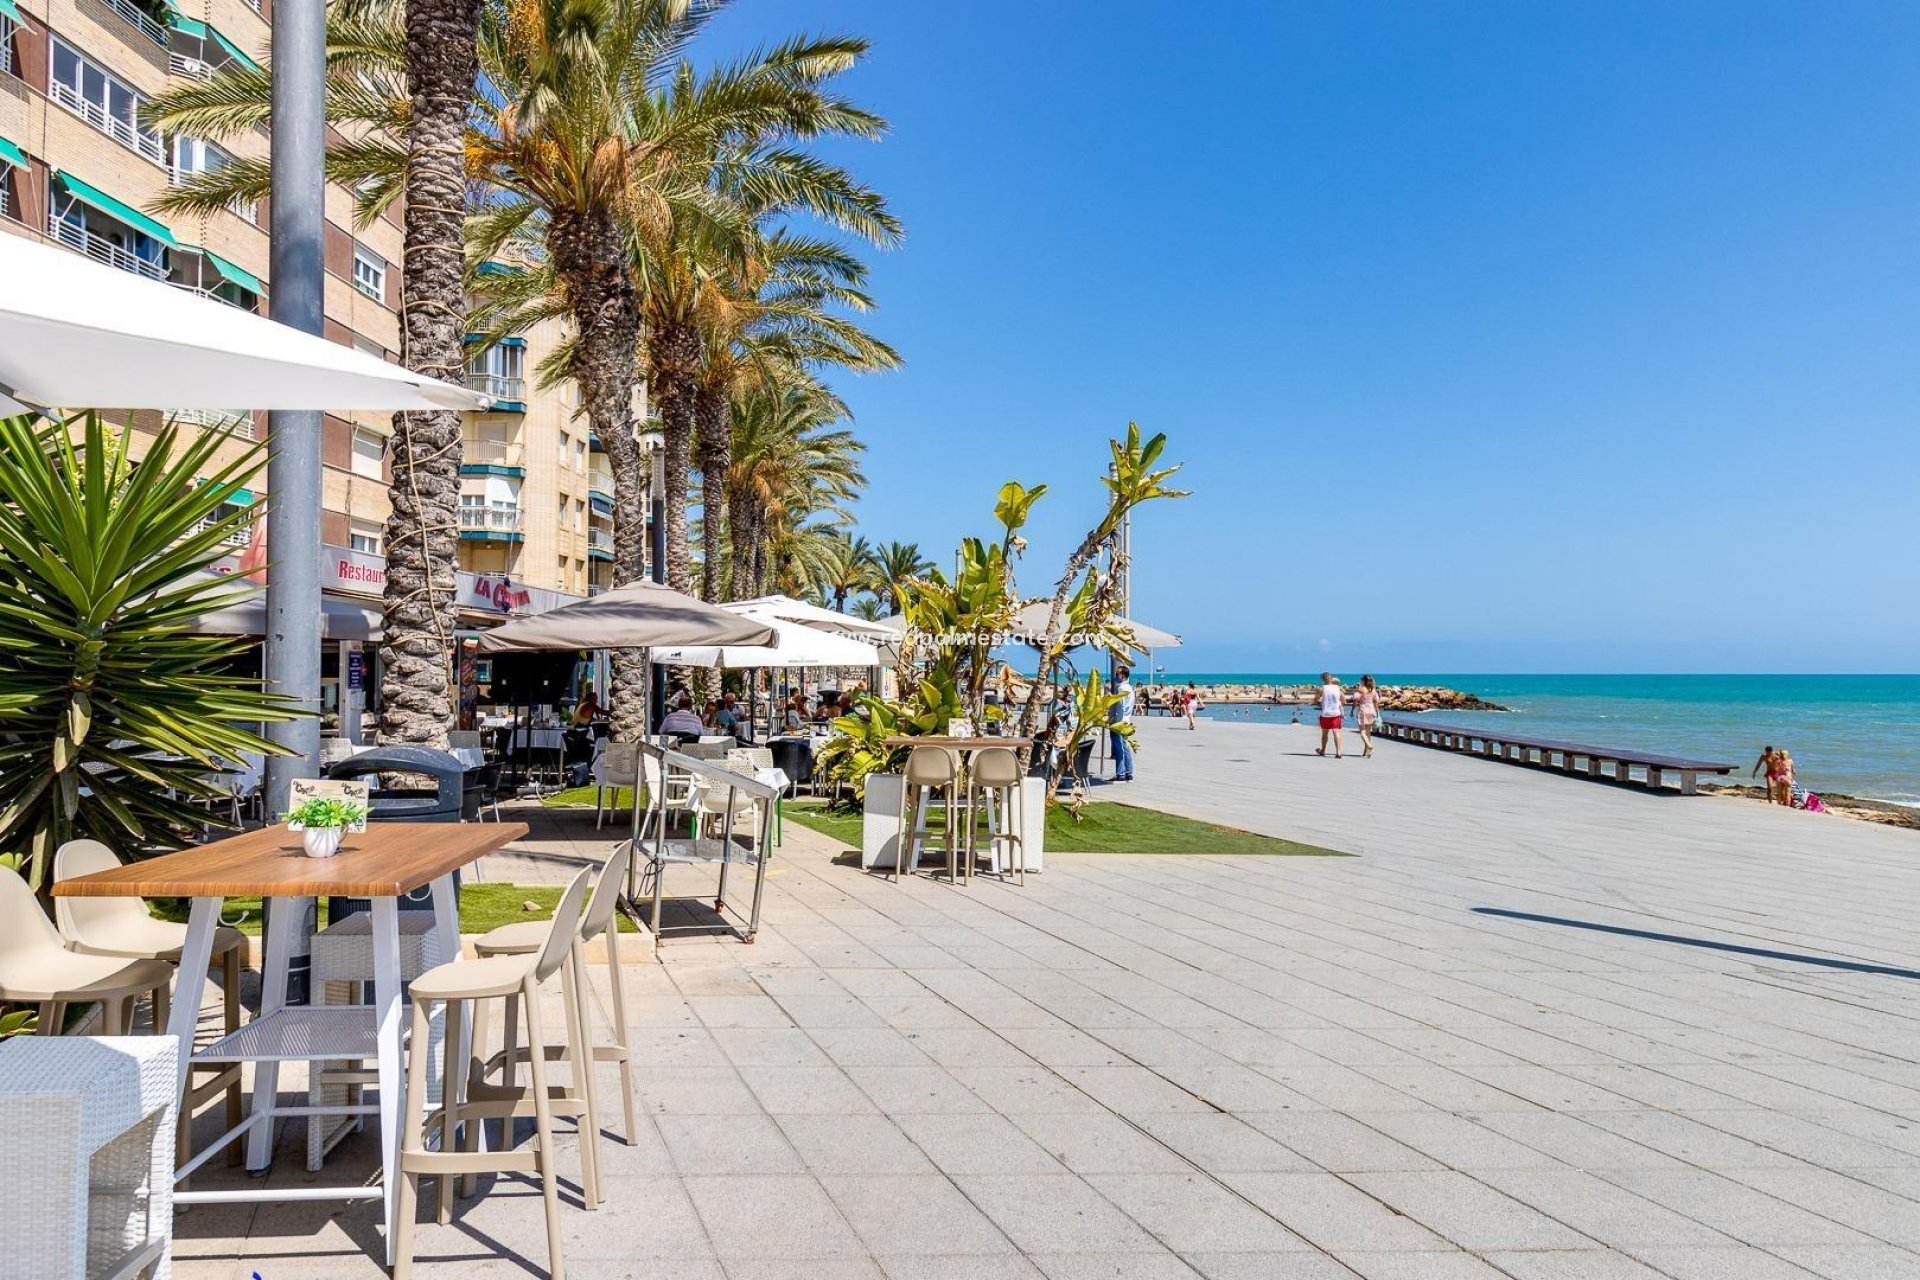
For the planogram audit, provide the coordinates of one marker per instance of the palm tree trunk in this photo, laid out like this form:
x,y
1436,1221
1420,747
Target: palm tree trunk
x,y
591,257
422,536
673,357
713,413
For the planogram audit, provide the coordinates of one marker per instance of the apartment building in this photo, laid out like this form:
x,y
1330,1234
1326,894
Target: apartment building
x,y
536,495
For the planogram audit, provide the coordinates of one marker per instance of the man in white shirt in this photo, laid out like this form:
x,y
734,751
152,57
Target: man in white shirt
x,y
682,719
1121,715
1333,709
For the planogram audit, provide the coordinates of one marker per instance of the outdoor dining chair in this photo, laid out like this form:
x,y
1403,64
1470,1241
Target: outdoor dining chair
x,y
459,984
615,765
929,770
994,775
526,937
123,928
36,967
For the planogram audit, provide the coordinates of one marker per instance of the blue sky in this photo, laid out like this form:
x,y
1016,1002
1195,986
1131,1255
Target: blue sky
x,y
1495,336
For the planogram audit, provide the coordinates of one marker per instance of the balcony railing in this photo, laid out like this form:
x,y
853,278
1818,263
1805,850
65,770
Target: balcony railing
x,y
500,388
147,144
238,536
492,517
600,540
192,68
149,28
101,249
595,589
491,453
238,421
245,210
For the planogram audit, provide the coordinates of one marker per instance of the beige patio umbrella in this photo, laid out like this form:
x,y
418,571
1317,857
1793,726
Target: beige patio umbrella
x,y
640,615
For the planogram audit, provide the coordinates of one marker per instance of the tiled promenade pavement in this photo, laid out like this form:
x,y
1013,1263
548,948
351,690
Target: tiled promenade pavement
x,y
1246,1068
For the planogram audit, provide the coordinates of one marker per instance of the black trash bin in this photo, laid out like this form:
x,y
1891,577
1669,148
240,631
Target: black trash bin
x,y
454,796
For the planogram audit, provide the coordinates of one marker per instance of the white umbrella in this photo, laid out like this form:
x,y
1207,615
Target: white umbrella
x,y
640,615
79,334
814,615
798,645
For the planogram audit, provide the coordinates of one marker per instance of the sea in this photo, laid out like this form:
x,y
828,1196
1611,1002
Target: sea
x,y
1855,734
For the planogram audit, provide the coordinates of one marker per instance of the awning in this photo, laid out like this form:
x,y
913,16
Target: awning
x,y
234,275
10,151
339,620
203,32
95,198
799,645
11,10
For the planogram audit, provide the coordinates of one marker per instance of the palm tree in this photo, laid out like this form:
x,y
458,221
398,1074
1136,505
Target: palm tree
x,y
847,571
405,75
869,609
779,310
895,563
792,465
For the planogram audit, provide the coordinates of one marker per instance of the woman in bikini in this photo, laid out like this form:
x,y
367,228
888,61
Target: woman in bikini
x,y
1780,778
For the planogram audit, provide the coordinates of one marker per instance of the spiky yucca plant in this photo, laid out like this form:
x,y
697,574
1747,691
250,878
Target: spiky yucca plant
x,y
112,708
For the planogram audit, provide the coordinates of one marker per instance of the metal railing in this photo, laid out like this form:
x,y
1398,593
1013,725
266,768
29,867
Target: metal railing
x,y
492,517
497,386
149,28
147,144
600,540
101,249
237,421
239,536
180,64
595,589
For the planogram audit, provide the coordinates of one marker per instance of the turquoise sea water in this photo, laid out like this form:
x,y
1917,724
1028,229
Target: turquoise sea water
x,y
1858,735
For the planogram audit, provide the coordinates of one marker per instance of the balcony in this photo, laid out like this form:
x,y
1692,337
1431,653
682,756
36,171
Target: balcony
x,y
491,458
180,64
142,20
101,249
239,536
147,144
509,394
237,421
490,522
245,210
599,544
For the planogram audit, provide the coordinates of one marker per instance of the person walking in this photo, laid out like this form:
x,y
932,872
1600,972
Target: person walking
x,y
1333,709
1366,710
1189,701
1119,720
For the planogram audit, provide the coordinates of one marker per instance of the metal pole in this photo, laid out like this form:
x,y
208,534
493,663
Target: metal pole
x,y
657,556
293,437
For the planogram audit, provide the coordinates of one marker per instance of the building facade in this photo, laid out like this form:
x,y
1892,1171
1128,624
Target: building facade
x,y
80,167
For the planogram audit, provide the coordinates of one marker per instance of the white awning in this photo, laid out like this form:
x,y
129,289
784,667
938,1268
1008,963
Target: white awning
x,y
798,645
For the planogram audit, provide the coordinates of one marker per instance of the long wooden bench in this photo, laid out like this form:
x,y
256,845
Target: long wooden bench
x,y
1611,764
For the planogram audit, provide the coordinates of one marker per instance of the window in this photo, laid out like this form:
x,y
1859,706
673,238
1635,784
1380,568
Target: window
x,y
499,372
6,46
367,346
365,536
566,448
580,455
579,515
369,273
368,451
102,101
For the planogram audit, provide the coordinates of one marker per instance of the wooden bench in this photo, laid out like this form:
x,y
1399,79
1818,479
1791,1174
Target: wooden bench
x,y
1606,763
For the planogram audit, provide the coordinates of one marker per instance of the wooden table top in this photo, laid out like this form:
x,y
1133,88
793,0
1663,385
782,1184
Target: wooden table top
x,y
961,744
384,861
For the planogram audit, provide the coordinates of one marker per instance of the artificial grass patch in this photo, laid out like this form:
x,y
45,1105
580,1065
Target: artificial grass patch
x,y
1103,827
482,907
620,798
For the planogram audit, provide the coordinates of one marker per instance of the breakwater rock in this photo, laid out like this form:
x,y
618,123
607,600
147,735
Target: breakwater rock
x,y
1393,697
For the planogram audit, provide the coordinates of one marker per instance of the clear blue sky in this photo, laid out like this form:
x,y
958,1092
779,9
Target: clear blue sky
x,y
1496,336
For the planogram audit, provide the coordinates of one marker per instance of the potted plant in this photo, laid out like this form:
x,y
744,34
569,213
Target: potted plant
x,y
322,821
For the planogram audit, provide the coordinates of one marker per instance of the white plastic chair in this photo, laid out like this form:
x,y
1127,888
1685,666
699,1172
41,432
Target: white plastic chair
x,y
615,765
36,968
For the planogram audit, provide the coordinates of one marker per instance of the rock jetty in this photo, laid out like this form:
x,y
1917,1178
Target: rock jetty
x,y
1393,697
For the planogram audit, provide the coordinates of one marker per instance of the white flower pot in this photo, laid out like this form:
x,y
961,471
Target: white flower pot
x,y
880,820
322,842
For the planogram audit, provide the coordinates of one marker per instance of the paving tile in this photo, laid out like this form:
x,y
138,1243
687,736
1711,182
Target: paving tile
x,y
868,1046
1722,1264
1846,1262
915,1090
1269,1266
1332,1214
692,1091
1572,1264
1055,1213
805,1091
728,1145
1157,1265
977,1143
1216,1141
1750,1216
1469,1212
1191,1211
967,1266
640,1218
807,1226
1454,1264
1100,1143
914,1213
1337,1143
860,1144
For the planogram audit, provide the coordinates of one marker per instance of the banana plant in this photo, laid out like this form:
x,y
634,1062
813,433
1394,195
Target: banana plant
x,y
114,708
